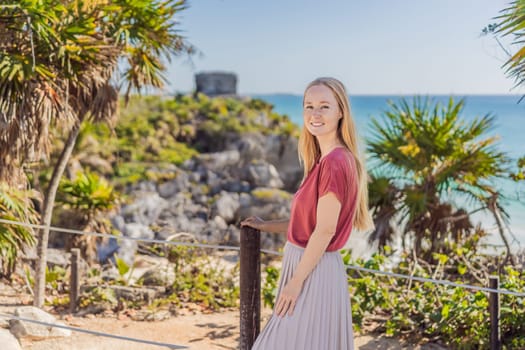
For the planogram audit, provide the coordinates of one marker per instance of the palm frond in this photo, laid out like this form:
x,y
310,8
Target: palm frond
x,y
512,22
439,153
15,205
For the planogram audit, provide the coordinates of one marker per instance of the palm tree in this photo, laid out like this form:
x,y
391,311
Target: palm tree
x,y
383,197
63,69
426,155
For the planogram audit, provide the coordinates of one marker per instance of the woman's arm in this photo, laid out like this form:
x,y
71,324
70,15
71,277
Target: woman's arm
x,y
277,226
272,226
328,209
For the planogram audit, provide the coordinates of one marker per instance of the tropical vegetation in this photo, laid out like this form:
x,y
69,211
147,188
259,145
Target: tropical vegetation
x,y
15,205
422,312
59,66
155,132
85,202
63,77
432,157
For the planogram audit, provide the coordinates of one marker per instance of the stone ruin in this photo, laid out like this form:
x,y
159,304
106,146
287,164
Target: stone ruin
x,y
216,83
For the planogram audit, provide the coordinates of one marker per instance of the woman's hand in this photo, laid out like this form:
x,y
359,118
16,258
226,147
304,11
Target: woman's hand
x,y
253,221
288,298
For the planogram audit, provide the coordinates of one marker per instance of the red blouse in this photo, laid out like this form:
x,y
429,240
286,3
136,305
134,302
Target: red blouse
x,y
334,173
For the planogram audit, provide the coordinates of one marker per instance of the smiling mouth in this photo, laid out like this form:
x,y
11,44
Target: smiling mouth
x,y
316,124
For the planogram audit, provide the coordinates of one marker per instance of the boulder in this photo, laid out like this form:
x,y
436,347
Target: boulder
x,y
158,276
236,186
251,147
58,257
263,174
278,150
110,273
8,340
219,161
145,209
136,230
135,294
232,235
267,203
180,183
186,224
143,186
227,206
128,248
23,329
211,235
219,222
281,152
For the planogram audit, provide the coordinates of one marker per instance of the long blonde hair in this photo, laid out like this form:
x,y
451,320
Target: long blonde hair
x,y
310,152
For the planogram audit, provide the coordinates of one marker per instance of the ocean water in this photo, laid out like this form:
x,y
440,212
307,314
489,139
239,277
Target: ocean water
x,y
509,128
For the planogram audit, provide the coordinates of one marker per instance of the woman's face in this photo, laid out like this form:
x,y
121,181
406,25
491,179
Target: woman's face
x,y
321,113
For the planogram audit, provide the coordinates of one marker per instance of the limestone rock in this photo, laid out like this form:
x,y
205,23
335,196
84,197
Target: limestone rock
x,y
8,340
281,152
180,183
35,331
261,173
226,206
145,209
134,294
159,276
218,161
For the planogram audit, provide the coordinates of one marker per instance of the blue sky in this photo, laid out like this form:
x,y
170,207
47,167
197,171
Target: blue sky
x,y
373,46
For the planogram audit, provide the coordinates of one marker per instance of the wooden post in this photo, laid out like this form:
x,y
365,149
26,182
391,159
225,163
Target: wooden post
x,y
250,286
495,336
74,285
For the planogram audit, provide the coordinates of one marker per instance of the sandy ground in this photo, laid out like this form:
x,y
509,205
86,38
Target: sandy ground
x,y
195,330
200,331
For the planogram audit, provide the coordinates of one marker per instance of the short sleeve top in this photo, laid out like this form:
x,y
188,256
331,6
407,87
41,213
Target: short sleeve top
x,y
336,173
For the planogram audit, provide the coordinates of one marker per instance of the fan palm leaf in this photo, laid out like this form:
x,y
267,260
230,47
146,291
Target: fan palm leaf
x,y
512,22
438,154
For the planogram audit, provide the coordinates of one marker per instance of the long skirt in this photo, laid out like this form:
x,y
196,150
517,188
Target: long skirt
x,y
322,318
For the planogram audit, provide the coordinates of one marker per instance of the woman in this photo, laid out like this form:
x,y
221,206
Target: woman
x,y
312,311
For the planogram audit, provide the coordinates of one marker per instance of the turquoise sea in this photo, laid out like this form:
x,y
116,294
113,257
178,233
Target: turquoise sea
x,y
509,127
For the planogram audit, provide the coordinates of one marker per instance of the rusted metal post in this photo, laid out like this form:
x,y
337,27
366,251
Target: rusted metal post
x,y
74,284
495,335
250,286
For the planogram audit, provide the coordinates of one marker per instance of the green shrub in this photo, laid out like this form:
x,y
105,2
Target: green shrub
x,y
456,316
87,192
419,311
199,280
269,290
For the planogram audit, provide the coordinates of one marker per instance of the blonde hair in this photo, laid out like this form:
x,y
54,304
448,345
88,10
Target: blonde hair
x,y
309,151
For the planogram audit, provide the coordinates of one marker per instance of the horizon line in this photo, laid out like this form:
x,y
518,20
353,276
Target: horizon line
x,y
519,94
398,94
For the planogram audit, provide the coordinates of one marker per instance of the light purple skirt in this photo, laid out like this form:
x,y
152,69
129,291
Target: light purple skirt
x,y
322,318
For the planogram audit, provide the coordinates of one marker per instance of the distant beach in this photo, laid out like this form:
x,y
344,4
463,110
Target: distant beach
x,y
509,127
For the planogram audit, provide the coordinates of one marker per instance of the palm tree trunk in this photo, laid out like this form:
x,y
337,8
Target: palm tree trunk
x,y
49,202
503,237
495,212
